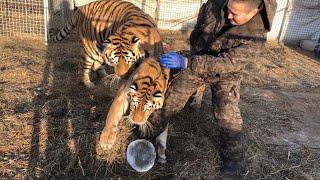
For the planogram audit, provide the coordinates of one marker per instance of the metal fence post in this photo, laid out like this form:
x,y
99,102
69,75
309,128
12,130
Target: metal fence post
x,y
157,11
143,4
46,19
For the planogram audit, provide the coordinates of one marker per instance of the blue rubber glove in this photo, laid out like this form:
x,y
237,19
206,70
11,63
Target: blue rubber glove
x,y
172,60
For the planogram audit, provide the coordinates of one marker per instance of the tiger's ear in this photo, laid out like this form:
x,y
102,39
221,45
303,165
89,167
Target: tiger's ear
x,y
106,43
135,41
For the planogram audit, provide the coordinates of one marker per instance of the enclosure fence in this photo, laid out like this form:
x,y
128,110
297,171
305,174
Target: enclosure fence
x,y
294,20
169,14
22,18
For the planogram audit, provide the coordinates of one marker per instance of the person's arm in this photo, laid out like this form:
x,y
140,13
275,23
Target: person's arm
x,y
206,22
232,60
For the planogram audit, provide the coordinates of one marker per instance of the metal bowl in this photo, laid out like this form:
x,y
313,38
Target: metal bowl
x,y
141,155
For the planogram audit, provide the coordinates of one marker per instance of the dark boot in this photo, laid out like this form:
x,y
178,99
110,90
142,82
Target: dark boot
x,y
231,152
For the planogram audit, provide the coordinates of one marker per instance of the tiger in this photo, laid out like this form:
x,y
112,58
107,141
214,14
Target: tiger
x,y
138,97
112,32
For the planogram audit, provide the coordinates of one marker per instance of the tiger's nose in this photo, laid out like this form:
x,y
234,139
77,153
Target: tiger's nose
x,y
121,72
139,118
122,68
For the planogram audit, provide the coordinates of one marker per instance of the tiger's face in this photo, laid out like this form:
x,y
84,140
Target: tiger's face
x,y
146,92
122,53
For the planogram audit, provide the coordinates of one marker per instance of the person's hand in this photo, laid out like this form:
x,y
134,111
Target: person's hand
x,y
173,60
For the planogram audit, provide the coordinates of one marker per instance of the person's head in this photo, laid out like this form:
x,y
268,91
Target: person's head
x,y
242,11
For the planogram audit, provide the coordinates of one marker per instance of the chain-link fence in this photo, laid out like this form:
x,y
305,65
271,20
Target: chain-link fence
x,y
301,21
294,20
30,17
172,15
22,18
169,14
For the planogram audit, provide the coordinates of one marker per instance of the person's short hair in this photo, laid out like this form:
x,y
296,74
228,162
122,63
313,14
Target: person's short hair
x,y
253,3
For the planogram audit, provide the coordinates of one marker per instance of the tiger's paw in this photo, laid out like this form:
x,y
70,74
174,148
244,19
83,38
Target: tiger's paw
x,y
108,139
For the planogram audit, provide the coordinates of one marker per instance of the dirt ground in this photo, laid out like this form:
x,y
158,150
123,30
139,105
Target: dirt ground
x,y
50,124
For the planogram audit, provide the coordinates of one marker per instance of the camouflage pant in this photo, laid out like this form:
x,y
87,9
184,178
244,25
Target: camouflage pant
x,y
225,98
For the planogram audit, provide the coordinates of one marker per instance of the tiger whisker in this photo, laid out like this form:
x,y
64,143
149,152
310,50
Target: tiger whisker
x,y
146,128
150,127
128,121
142,129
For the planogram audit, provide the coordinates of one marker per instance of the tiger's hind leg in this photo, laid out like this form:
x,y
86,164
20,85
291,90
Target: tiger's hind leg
x,y
198,96
161,142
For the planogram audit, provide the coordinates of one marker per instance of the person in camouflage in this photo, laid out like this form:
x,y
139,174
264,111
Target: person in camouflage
x,y
227,34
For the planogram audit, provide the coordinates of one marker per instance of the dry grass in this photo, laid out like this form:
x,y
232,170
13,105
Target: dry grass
x,y
50,124
118,153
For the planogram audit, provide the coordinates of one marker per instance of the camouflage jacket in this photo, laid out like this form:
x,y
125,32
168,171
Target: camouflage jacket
x,y
226,52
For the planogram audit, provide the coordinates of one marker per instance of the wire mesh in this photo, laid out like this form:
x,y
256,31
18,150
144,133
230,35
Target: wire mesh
x,y
301,21
290,24
28,18
22,18
169,14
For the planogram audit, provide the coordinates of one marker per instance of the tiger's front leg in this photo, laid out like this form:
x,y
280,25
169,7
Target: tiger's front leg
x,y
116,112
108,136
85,67
90,61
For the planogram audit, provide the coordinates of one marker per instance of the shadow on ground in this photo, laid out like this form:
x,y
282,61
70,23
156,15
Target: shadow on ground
x,y
50,123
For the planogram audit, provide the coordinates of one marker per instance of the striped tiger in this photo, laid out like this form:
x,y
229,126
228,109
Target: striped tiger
x,y
137,98
114,32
